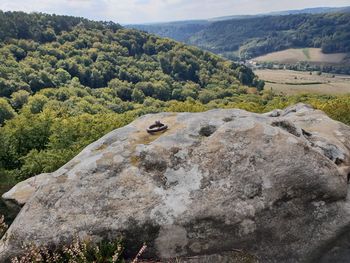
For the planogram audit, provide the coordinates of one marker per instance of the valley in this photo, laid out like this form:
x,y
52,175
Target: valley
x,y
241,38
289,82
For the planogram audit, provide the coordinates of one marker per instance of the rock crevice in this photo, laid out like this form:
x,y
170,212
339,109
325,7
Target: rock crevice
x,y
272,185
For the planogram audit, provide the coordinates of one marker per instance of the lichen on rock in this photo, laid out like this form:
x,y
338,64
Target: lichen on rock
x,y
273,185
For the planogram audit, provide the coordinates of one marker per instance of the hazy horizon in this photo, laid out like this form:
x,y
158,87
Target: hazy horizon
x,y
152,11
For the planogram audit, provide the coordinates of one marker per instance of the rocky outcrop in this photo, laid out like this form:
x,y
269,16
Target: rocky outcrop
x,y
21,192
272,185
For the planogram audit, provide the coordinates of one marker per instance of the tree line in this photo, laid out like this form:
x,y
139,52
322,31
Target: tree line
x,y
261,35
248,37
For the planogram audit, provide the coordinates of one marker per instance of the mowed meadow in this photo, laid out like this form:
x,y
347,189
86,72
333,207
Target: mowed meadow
x,y
295,55
291,82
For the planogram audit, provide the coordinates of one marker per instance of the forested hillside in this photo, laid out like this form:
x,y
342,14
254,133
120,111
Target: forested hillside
x,y
66,81
257,36
254,36
55,51
43,28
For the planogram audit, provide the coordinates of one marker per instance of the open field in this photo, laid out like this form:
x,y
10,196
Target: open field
x,y
295,82
312,55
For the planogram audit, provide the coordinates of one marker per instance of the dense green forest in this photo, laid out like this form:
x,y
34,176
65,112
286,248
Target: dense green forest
x,y
65,81
250,37
257,36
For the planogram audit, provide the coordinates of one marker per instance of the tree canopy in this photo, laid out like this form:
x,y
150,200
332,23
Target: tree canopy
x,y
252,36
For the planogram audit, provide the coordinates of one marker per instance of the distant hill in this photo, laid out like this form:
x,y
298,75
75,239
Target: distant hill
x,y
250,36
258,36
315,10
180,31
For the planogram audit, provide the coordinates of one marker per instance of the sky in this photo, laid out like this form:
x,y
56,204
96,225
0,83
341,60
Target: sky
x,y
149,11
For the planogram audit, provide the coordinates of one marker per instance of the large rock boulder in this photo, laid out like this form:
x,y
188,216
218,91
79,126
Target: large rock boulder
x,y
272,185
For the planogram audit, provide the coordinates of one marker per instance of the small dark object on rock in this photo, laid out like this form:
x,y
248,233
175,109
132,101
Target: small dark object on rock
x,y
157,127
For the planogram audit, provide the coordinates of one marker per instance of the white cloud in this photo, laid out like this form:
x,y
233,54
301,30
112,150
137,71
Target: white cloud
x,y
141,11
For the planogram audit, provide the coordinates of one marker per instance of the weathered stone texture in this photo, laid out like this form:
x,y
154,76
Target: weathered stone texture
x,y
272,185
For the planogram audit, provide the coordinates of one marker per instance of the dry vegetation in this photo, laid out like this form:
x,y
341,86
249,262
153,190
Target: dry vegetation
x,y
79,251
312,55
295,82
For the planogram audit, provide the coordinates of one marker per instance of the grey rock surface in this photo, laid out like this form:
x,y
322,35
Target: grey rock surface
x,y
21,192
273,185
